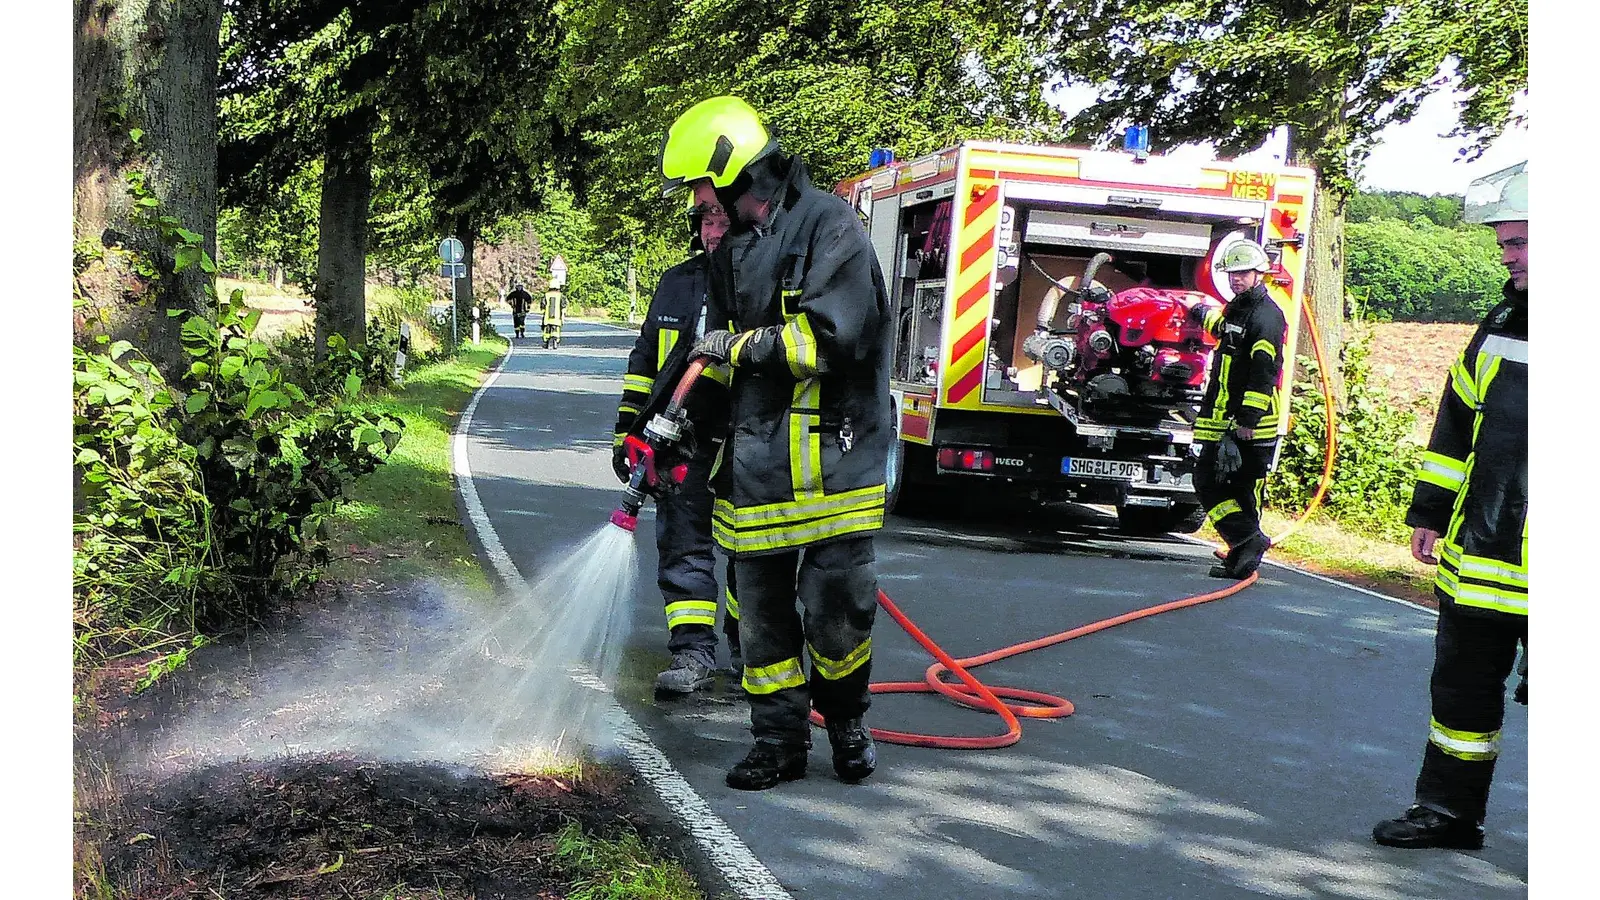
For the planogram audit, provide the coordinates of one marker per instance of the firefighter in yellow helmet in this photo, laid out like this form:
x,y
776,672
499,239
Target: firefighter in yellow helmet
x,y
1237,431
799,313
1470,514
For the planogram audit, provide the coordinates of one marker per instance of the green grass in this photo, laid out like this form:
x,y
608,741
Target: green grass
x,y
403,516
621,869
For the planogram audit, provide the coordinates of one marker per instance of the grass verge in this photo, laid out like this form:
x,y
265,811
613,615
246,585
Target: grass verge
x,y
402,519
619,869
1323,547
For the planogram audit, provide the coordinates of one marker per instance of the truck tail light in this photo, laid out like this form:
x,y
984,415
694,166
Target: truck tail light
x,y
966,459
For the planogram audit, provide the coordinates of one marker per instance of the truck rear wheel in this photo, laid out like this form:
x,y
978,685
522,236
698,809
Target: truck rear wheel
x,y
1145,521
903,456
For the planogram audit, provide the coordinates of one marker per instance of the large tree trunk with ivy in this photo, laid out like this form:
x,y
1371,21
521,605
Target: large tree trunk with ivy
x,y
144,78
341,297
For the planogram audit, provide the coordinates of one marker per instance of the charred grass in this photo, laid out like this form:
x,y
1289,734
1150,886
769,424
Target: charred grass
x,y
336,827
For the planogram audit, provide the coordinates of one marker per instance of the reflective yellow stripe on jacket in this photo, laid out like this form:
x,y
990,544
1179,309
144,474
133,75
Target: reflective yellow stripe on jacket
x,y
796,523
666,339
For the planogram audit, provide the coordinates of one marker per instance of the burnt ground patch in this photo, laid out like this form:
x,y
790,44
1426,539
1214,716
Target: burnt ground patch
x,y
332,827
160,819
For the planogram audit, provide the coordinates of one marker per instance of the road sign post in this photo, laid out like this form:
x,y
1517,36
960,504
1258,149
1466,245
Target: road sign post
x,y
451,253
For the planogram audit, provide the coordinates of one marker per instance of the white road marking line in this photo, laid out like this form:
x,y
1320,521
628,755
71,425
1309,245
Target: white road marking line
x,y
746,874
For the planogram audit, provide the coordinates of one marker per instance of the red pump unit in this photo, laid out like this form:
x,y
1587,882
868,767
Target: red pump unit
x,y
1122,353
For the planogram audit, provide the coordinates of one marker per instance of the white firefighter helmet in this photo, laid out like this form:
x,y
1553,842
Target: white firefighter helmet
x,y
1498,197
1244,256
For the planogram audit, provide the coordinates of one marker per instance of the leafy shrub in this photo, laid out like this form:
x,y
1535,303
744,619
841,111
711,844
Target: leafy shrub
x,y
1377,459
202,503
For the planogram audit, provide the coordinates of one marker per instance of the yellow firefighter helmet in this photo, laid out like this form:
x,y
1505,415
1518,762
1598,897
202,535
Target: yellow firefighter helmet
x,y
714,139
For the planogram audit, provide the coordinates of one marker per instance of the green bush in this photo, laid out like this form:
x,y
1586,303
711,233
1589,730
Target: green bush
x,y
1377,459
201,503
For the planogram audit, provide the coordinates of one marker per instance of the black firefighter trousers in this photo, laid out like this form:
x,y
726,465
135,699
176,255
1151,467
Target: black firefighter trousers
x,y
686,568
836,584
1474,652
1234,505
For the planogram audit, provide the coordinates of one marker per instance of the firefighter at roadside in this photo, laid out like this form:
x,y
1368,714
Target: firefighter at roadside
x,y
1237,431
551,315
1470,515
520,301
798,312
686,567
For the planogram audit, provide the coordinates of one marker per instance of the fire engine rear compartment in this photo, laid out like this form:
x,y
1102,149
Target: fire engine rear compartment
x,y
1149,248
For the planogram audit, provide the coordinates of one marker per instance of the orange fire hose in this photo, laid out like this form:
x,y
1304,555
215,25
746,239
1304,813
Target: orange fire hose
x,y
972,693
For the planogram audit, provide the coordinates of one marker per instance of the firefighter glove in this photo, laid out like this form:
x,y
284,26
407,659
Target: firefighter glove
x,y
619,462
1229,460
717,346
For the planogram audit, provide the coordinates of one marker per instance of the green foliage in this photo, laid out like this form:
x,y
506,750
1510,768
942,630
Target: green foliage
x,y
1418,271
1338,71
200,504
275,462
834,79
1441,209
141,520
621,869
1376,464
280,231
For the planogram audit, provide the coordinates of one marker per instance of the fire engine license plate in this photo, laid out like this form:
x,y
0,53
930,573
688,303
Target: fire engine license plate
x,y
1102,468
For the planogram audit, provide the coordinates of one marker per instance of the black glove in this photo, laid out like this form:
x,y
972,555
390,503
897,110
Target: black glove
x,y
1229,460
716,346
619,463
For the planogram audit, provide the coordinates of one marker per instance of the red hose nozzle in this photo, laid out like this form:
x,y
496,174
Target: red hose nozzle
x,y
621,519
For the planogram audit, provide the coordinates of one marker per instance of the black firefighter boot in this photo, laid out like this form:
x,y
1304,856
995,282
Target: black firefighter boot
x,y
1424,827
768,764
854,756
1242,561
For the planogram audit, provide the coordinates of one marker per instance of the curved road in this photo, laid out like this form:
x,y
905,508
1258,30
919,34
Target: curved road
x,y
1242,748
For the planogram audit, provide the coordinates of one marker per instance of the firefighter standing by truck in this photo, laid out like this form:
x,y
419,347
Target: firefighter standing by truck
x,y
798,311
1237,430
686,566
1470,515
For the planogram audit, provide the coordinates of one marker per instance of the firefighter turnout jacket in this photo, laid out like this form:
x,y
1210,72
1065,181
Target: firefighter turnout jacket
x,y
675,315
810,431
1242,391
1473,485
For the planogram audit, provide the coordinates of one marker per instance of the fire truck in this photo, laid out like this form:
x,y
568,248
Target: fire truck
x,y
1013,369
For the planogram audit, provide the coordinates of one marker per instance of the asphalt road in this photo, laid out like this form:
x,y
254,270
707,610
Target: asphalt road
x,y
1243,748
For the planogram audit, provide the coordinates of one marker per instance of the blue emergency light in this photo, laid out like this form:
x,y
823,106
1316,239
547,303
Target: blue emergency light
x,y
880,157
1136,140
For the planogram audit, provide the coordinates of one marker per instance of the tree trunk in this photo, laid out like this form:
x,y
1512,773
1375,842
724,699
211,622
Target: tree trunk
x,y
341,293
463,284
1325,279
149,65
1324,289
